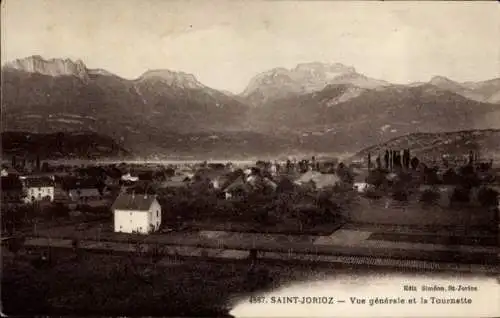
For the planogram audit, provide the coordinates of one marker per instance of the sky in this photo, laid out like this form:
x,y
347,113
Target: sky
x,y
225,43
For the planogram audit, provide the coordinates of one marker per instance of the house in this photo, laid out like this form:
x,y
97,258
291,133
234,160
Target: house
x,y
326,180
305,178
320,180
83,190
216,178
260,182
9,171
236,189
38,189
274,169
84,195
175,182
129,178
12,190
361,184
139,213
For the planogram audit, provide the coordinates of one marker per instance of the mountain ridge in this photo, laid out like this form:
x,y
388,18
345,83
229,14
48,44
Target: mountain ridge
x,y
341,111
302,79
434,145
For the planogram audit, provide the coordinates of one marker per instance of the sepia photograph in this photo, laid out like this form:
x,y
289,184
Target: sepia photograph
x,y
191,158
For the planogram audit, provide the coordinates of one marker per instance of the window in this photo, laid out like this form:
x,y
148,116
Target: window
x,y
157,213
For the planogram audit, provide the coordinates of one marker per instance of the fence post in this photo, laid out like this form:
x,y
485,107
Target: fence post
x,y
498,226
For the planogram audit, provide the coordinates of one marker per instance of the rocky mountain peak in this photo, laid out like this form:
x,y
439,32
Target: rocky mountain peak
x,y
50,67
303,77
440,80
172,78
323,67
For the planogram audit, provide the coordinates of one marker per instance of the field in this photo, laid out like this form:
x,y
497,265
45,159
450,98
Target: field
x,y
123,285
114,285
387,211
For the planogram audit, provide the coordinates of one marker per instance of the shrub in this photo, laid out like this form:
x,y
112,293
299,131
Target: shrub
x,y
488,197
16,244
460,195
373,194
430,196
400,195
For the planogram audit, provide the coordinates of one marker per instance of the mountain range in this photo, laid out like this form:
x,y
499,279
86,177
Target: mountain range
x,y
313,107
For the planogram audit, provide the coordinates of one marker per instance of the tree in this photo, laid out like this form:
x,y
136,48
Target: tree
x,y
488,197
16,244
386,159
450,177
430,196
169,172
400,190
460,194
406,159
45,166
468,177
396,159
344,173
414,163
377,177
430,176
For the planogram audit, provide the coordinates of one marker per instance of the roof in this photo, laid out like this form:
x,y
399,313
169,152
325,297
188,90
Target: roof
x,y
321,180
137,202
129,177
78,183
84,192
308,176
10,183
238,183
39,182
326,180
175,182
10,170
361,176
211,174
270,183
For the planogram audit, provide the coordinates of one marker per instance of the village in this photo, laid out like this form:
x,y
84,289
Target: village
x,y
223,203
251,226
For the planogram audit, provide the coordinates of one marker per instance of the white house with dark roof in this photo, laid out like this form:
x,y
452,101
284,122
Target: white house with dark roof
x,y
38,189
139,213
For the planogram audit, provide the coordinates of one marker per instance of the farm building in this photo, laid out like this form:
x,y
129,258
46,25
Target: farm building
x,y
139,213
